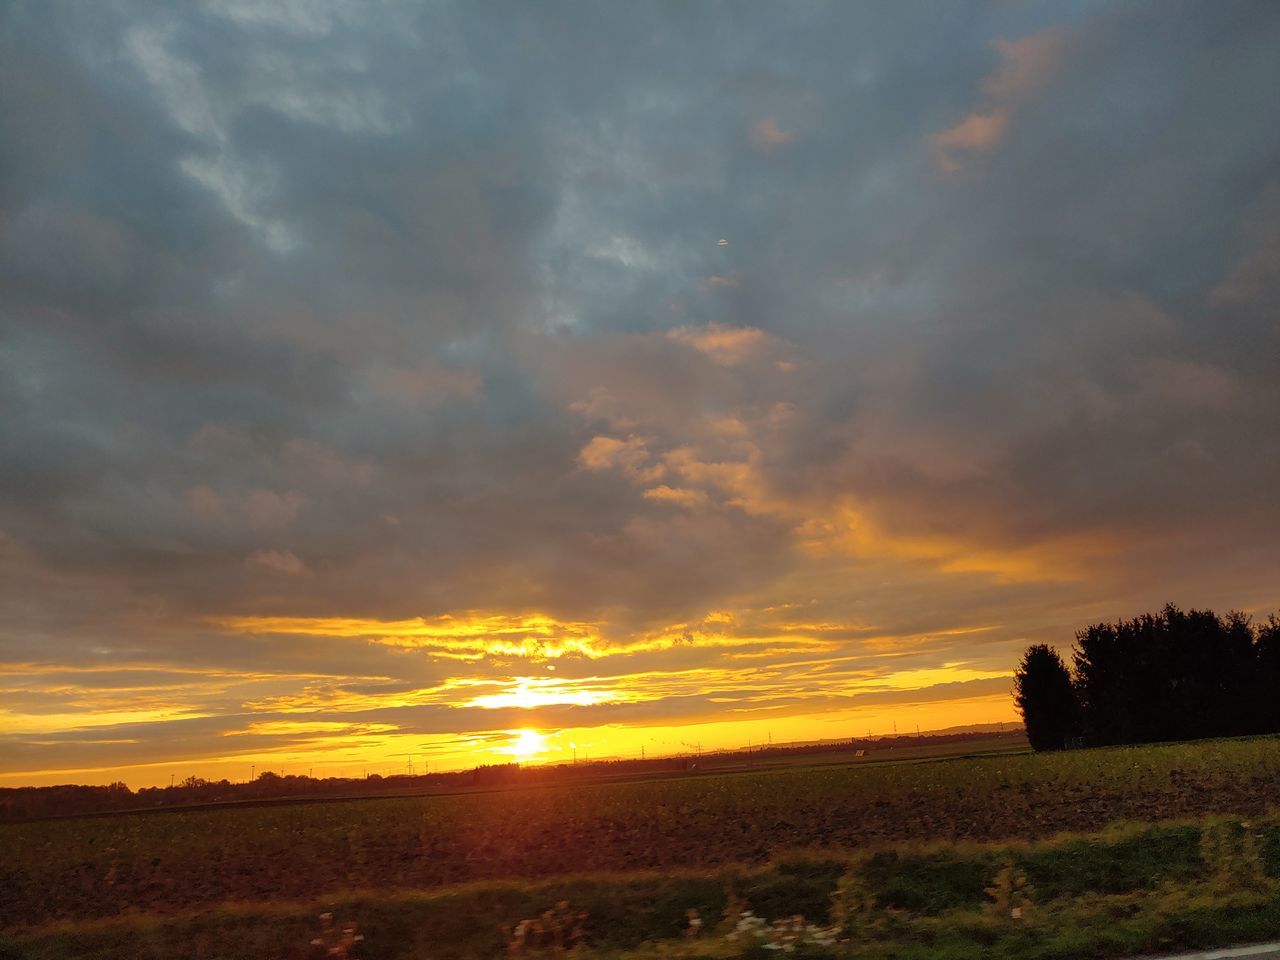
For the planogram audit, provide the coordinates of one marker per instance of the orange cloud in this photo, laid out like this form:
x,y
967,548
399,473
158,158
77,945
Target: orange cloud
x,y
722,344
609,453
767,135
535,636
678,496
976,132
1026,65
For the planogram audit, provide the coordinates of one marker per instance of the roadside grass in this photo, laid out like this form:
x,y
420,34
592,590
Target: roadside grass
x,y
1130,889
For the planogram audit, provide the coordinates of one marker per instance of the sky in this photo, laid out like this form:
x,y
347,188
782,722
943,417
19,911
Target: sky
x,y
381,380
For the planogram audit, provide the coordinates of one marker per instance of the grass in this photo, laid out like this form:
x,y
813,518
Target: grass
x,y
902,901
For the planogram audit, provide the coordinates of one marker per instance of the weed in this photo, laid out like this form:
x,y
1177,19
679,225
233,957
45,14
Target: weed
x,y
335,941
556,929
1231,851
1010,897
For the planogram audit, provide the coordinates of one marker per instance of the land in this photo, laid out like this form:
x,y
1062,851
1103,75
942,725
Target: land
x,y
914,857
35,803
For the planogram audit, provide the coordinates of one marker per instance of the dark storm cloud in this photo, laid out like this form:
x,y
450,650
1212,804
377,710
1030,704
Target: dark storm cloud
x,y
337,310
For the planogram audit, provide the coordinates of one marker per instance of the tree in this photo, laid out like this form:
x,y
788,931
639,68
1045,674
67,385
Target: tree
x,y
1046,699
1172,675
1266,681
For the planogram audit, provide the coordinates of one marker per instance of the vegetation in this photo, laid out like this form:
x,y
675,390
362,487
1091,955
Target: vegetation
x,y
1043,693
1132,888
1158,677
109,866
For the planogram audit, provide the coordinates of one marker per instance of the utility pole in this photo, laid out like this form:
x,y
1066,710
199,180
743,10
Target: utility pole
x,y
253,772
171,781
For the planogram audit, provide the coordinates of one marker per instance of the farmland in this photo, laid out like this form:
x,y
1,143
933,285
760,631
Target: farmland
x,y
97,868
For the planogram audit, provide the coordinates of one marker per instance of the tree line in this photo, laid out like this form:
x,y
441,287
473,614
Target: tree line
x,y
66,800
1171,675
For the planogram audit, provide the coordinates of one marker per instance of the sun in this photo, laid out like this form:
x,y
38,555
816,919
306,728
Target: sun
x,y
526,744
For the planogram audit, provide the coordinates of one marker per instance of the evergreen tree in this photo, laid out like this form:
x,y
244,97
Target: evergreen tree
x,y
1044,695
1173,675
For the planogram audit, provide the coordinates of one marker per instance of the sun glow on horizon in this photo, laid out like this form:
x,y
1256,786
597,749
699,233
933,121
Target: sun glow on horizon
x,y
526,744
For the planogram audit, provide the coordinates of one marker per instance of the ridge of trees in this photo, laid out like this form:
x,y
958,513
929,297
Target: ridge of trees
x,y
1171,675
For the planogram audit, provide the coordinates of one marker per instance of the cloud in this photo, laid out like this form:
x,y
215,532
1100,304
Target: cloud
x,y
430,386
678,496
976,133
1253,282
278,561
268,509
1027,65
205,501
767,135
631,456
723,344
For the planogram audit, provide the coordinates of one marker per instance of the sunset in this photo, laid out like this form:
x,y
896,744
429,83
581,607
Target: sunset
x,y
543,393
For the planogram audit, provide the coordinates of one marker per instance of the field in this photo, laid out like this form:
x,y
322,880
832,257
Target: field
x,y
674,843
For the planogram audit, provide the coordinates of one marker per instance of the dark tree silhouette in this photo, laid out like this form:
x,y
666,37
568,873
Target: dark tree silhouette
x,y
1044,695
1169,676
1266,679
